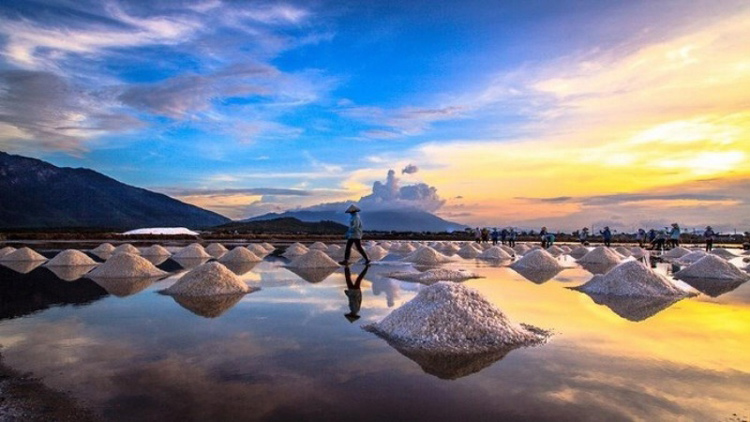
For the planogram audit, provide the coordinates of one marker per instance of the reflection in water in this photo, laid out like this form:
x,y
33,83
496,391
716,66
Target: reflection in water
x,y
190,263
71,273
22,295
124,286
536,275
312,275
634,308
23,267
390,287
240,268
209,306
451,366
155,259
354,292
713,287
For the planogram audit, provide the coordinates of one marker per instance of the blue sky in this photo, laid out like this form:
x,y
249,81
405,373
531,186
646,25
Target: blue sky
x,y
250,107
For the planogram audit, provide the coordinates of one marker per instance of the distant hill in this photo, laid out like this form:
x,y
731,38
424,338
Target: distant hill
x,y
391,220
37,194
285,225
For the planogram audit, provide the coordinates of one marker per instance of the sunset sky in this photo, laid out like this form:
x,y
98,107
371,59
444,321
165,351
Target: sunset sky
x,y
526,113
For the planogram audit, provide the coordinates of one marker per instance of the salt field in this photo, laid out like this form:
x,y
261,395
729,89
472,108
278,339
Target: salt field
x,y
288,348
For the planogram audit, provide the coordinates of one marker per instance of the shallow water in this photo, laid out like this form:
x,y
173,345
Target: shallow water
x,y
287,351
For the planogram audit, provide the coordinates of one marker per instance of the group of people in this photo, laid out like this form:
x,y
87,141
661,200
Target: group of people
x,y
658,240
506,236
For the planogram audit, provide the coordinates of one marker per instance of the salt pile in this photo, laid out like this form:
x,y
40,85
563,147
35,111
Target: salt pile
x,y
723,253
579,252
318,246
192,251
23,254
555,250
507,249
452,318
692,257
240,254
209,279
566,249
216,250
332,249
23,267
434,275
104,248
713,267
258,250
269,247
538,260
126,265
494,252
638,252
468,251
386,245
126,248
521,249
70,258
632,278
122,286
601,255
376,253
676,252
450,249
6,250
70,272
156,250
625,252
404,248
295,249
313,259
426,256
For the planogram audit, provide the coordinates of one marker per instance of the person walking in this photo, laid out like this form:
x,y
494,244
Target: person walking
x,y
709,234
607,236
674,235
512,236
543,235
583,235
641,237
353,292
503,235
495,236
477,235
354,236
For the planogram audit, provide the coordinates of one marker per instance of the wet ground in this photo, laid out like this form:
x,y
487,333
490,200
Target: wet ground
x,y
293,350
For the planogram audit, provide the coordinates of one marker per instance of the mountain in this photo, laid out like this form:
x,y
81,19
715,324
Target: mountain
x,y
390,220
285,225
37,194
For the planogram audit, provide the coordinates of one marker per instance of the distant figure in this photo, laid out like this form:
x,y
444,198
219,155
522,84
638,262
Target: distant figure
x,y
659,240
550,239
354,236
641,237
607,235
543,235
503,236
583,236
485,234
477,235
354,293
512,236
495,236
651,235
709,234
674,236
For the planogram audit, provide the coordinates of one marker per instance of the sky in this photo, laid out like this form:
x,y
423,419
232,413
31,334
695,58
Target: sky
x,y
494,113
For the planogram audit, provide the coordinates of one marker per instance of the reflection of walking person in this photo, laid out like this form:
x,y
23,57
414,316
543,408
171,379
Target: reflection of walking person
x,y
354,236
354,293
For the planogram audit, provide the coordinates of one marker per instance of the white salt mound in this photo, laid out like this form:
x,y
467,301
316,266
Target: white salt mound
x,y
332,249
126,248
376,253
295,249
156,250
319,246
313,259
209,279
269,247
239,254
555,250
216,250
450,249
426,256
452,318
723,253
70,258
434,275
521,249
507,249
601,255
257,249
104,248
625,252
6,250
537,260
494,252
638,252
23,254
566,249
192,251
632,278
713,267
579,252
126,265
692,257
468,251
676,252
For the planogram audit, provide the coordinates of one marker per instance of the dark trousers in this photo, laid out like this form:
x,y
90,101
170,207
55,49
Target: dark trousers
x,y
709,245
358,244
